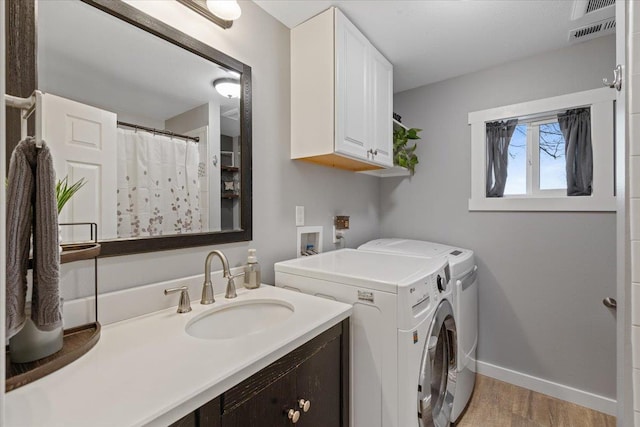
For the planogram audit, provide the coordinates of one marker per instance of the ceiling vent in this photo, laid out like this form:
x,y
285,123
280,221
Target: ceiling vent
x,y
594,5
593,8
592,31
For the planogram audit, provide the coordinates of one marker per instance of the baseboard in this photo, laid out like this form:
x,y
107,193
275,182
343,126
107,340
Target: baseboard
x,y
559,391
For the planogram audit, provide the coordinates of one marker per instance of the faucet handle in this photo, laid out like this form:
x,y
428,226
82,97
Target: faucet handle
x,y
231,285
184,305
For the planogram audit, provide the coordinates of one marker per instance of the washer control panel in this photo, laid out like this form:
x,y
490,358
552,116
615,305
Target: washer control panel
x,y
416,300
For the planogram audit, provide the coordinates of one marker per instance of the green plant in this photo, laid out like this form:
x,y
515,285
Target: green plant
x,y
403,154
64,192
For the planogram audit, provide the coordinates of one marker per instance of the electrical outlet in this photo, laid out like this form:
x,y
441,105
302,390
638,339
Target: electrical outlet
x,y
299,216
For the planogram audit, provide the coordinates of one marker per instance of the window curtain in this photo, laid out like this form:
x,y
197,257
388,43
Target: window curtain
x,y
575,126
158,185
498,139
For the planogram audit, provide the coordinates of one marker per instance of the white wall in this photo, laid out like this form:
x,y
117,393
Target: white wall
x,y
542,275
279,184
633,126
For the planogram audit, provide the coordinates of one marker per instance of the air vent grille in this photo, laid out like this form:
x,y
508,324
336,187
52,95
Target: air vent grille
x,y
586,31
598,4
601,28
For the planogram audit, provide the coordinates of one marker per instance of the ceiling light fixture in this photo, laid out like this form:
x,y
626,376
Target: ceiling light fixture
x,y
229,88
221,12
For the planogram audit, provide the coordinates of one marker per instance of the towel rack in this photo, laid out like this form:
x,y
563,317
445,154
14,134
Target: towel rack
x,y
30,105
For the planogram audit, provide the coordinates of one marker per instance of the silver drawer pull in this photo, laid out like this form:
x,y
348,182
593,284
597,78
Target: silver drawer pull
x,y
610,302
294,416
305,405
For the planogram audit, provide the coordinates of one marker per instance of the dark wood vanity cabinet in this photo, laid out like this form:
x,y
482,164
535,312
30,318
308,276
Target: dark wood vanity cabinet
x,y
317,372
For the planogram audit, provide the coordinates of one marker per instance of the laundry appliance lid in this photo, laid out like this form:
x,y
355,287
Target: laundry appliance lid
x,y
461,260
371,270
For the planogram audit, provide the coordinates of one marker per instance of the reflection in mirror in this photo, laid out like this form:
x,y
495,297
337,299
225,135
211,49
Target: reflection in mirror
x,y
139,118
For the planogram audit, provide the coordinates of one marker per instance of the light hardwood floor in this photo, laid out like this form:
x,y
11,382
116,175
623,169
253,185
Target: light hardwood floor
x,y
498,404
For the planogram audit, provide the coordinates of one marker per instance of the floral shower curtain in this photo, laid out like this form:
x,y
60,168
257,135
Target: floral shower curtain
x,y
158,186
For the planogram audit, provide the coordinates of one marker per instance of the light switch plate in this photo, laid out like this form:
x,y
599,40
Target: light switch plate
x,y
299,216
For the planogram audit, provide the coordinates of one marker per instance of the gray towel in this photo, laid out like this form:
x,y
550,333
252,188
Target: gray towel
x,y
31,205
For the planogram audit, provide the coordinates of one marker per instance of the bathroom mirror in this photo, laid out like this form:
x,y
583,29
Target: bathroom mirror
x,y
130,106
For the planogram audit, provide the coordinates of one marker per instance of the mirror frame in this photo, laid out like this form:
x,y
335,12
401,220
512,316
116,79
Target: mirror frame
x,y
137,18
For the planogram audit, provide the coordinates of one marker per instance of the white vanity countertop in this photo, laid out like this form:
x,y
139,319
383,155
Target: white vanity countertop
x,y
148,371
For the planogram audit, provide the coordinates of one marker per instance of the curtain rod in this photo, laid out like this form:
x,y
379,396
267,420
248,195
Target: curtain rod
x,y
159,131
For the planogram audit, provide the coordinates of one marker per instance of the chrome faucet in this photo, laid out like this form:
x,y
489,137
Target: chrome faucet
x,y
207,287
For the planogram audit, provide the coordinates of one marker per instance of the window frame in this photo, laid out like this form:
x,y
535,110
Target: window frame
x,y
601,103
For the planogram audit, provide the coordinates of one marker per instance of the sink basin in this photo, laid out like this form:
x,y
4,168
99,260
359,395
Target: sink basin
x,y
239,319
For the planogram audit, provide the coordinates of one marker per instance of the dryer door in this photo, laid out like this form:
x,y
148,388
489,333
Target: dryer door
x,y
438,371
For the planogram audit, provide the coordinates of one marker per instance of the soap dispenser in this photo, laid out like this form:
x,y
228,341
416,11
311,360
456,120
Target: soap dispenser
x,y
252,271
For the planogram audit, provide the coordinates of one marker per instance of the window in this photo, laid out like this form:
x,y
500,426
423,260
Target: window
x,y
537,164
535,161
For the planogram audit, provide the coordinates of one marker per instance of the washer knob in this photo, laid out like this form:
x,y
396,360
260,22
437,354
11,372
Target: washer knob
x,y
441,282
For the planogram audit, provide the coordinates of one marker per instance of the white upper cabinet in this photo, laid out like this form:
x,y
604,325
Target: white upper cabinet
x,y
341,96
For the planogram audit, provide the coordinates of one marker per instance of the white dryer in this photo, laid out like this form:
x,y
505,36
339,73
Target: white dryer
x,y
403,361
465,305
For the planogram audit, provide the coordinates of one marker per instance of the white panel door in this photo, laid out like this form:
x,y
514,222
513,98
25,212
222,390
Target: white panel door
x,y
352,91
382,106
82,140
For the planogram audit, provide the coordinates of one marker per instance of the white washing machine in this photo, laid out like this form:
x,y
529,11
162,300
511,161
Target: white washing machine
x,y
465,307
403,358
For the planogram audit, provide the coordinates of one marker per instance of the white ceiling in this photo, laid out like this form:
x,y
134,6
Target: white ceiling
x,y
432,40
89,56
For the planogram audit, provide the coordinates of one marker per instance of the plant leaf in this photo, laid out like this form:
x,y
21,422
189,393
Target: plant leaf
x,y
64,192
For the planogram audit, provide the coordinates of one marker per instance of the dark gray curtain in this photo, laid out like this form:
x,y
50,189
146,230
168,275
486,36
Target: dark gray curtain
x,y
576,129
498,139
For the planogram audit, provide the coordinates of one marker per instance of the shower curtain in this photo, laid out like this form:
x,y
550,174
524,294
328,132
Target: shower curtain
x,y
158,187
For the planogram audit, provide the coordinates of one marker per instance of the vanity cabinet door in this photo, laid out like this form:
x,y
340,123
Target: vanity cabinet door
x,y
208,415
187,421
318,380
268,408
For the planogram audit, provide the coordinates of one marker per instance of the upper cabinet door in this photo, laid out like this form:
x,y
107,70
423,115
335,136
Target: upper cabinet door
x,y
352,90
382,106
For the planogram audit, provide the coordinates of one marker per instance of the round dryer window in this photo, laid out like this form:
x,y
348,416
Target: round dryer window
x,y
437,382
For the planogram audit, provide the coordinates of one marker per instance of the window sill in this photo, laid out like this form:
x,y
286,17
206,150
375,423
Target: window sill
x,y
544,204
